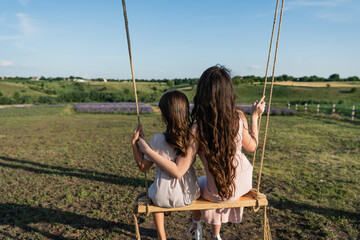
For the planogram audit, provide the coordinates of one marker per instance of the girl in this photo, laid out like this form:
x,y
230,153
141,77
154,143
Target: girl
x,y
220,131
167,191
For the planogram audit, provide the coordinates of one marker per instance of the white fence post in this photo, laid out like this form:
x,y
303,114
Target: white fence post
x,y
305,107
296,107
353,113
333,111
317,109
288,105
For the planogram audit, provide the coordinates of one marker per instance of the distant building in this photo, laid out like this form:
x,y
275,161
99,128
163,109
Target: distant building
x,y
78,80
35,78
81,80
105,80
2,78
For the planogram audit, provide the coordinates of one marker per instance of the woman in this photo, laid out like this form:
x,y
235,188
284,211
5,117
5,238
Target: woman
x,y
219,131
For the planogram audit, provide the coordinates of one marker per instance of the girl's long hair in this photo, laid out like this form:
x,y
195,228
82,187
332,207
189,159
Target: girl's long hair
x,y
218,125
174,107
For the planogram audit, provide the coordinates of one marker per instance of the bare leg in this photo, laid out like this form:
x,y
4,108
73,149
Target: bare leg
x,y
196,217
215,230
159,224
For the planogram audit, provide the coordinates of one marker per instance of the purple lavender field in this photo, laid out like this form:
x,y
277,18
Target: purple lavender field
x,y
273,111
247,109
116,107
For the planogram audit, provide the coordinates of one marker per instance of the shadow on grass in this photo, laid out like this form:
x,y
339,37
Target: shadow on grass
x,y
22,216
71,172
326,212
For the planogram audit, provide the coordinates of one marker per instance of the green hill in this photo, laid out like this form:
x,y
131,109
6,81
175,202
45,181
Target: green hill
x,y
39,92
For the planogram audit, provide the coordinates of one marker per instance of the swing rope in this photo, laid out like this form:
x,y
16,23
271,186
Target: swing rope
x,y
136,98
267,67
270,98
267,231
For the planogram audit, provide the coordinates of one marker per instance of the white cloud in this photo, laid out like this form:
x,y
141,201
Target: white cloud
x,y
255,67
6,63
9,37
335,17
104,58
23,27
309,3
297,58
23,2
329,10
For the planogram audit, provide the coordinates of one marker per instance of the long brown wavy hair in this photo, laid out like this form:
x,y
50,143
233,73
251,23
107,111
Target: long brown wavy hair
x,y
218,125
174,107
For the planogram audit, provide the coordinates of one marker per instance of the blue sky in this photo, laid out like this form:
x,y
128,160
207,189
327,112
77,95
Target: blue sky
x,y
176,39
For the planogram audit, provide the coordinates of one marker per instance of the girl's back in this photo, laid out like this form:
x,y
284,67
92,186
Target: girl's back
x,y
167,191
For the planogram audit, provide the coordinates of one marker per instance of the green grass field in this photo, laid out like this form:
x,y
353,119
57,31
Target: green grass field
x,y
344,97
72,176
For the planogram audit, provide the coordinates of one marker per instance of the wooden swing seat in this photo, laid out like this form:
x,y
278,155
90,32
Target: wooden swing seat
x,y
251,199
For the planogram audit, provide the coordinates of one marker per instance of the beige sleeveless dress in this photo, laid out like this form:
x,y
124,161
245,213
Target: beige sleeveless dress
x,y
167,191
243,184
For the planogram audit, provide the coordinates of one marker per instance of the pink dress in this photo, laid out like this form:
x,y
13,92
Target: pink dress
x,y
243,184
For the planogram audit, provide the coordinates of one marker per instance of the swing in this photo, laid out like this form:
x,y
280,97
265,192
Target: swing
x,y
253,198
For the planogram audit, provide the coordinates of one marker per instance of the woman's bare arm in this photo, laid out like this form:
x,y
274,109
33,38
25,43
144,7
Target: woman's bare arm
x,y
250,136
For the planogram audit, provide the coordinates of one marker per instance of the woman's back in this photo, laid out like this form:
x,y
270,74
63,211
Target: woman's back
x,y
243,177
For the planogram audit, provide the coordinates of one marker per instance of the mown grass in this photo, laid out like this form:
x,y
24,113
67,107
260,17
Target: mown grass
x,y
9,88
71,176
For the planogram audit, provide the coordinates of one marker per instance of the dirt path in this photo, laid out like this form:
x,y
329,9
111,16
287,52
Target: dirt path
x,y
156,109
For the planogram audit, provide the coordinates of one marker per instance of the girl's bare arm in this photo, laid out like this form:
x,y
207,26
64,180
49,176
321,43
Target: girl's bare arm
x,y
142,162
176,169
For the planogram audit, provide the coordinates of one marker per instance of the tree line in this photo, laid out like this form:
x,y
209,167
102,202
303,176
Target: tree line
x,y
192,81
332,78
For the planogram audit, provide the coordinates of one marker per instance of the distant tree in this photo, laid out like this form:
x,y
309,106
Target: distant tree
x,y
25,99
236,80
334,77
16,95
304,79
170,83
313,78
354,78
126,91
178,81
47,100
5,100
279,78
286,77
42,78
